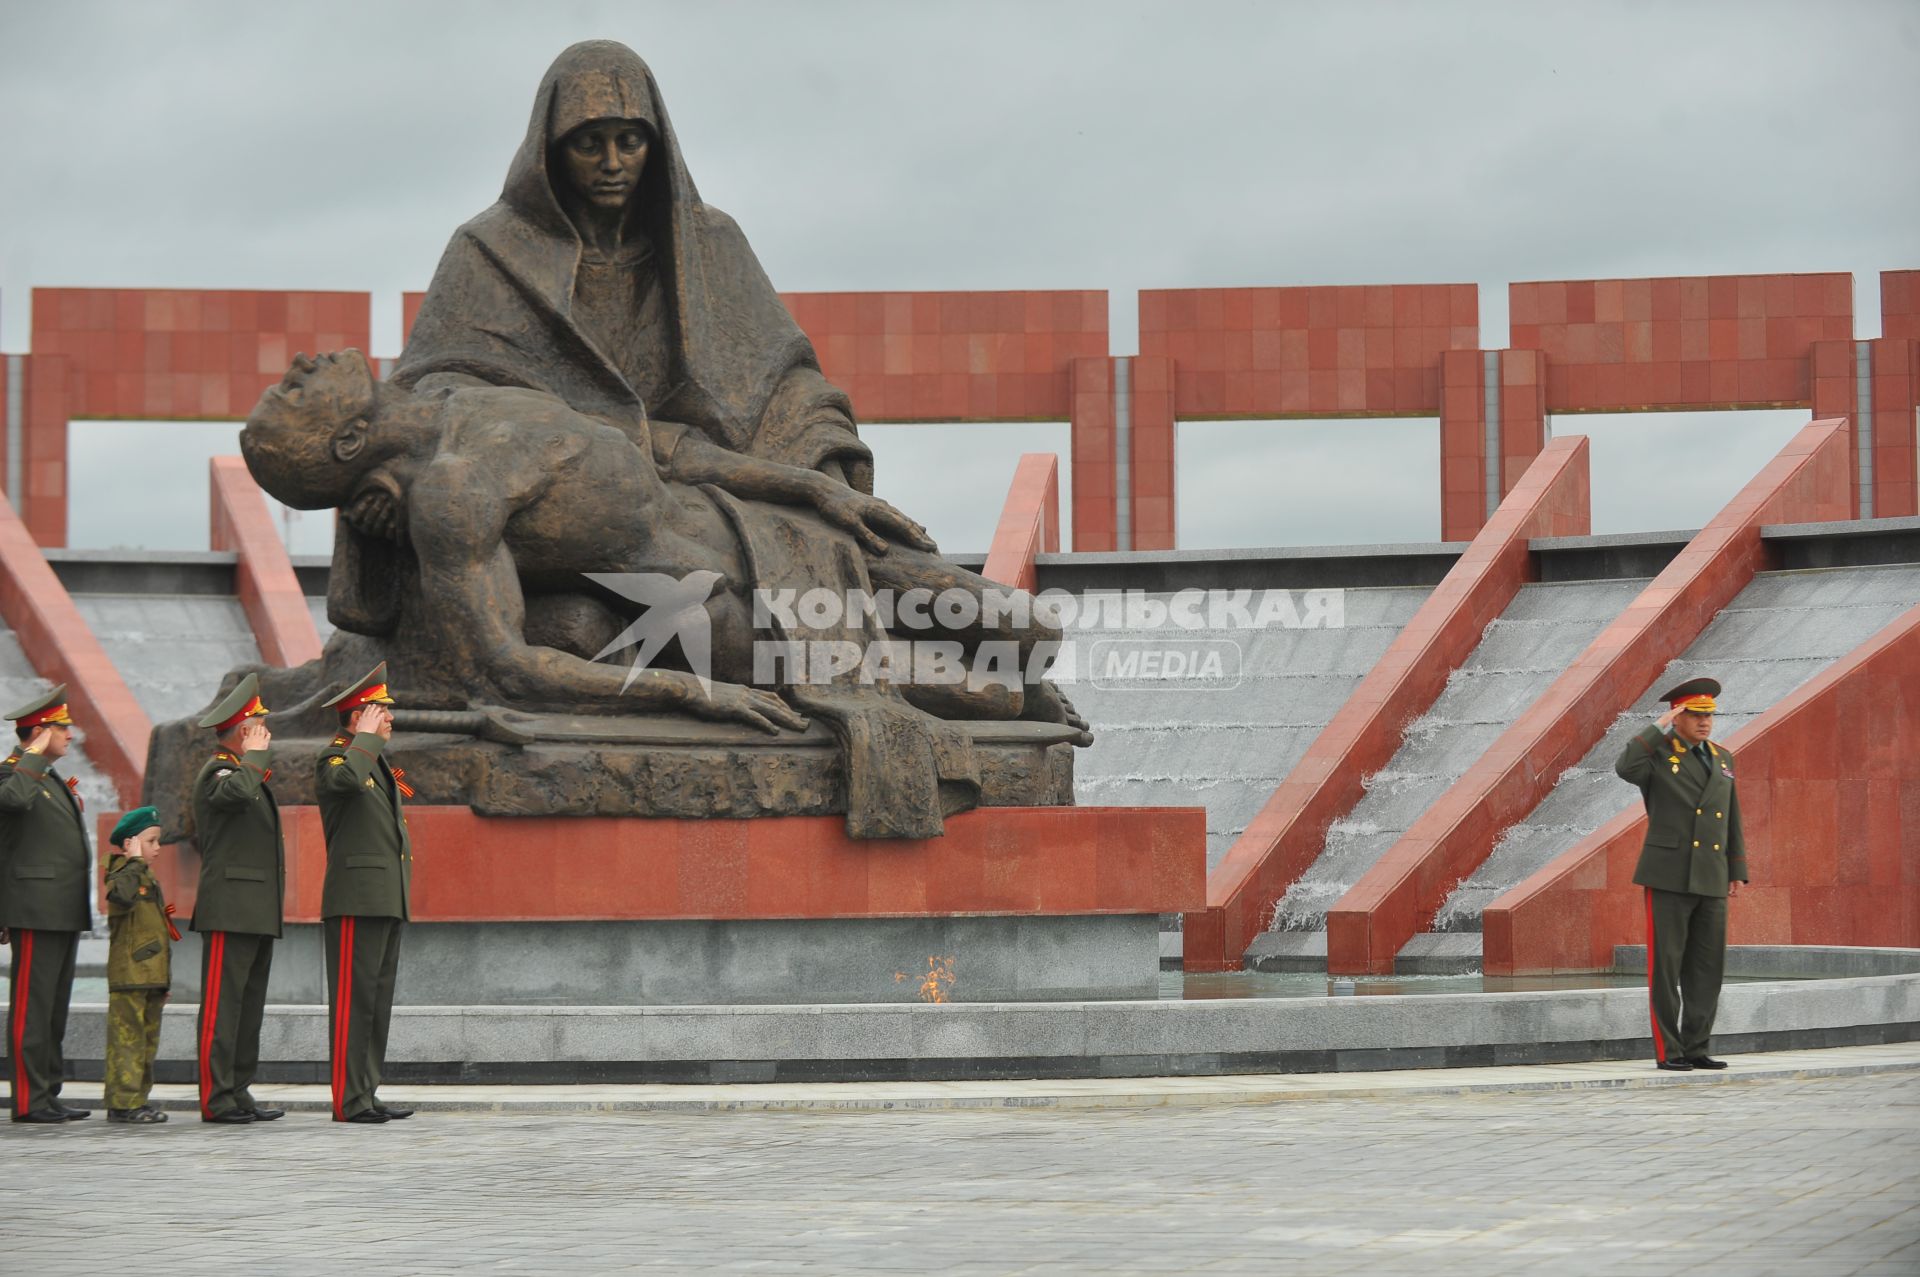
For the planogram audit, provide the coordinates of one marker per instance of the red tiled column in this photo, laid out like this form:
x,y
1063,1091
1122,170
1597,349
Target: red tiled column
x,y
1834,395
270,594
1463,444
1552,499
1029,522
1152,433
44,448
1366,928
1523,413
1895,369
1095,498
1834,861
62,649
1900,304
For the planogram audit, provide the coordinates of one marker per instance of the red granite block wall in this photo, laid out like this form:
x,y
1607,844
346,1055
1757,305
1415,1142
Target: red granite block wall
x,y
1324,351
183,354
1721,341
999,356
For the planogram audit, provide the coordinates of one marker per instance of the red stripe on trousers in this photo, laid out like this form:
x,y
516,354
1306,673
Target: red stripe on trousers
x,y
1659,1045
210,1016
21,984
343,1007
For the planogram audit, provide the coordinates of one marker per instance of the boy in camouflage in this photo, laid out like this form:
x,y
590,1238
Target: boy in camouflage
x,y
139,967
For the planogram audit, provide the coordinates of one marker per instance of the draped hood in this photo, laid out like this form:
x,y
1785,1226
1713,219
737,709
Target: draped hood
x,y
500,307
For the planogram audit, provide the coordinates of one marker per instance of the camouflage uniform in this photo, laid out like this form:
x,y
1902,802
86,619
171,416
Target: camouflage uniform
x,y
139,970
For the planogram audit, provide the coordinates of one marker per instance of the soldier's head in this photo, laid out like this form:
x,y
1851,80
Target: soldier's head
x,y
235,716
1693,726
137,833
1694,705
307,440
45,719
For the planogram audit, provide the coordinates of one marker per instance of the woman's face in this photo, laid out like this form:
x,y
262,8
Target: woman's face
x,y
603,160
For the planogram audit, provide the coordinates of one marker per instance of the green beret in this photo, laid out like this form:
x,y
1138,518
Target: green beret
x,y
132,823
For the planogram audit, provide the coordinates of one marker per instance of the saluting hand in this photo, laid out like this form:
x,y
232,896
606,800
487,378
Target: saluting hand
x,y
254,735
1666,719
376,719
37,743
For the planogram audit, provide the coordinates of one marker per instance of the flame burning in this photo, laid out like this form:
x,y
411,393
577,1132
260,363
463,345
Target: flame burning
x,y
933,985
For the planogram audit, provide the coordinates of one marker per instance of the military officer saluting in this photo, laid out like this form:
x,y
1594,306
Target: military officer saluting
x,y
1693,858
238,911
44,903
365,899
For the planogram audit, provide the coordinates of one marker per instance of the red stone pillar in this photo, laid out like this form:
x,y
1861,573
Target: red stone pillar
x,y
43,451
1523,414
1895,369
1090,417
1834,383
1151,491
1463,433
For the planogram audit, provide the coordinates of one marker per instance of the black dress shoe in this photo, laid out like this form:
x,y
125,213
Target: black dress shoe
x,y
1675,1066
42,1117
390,1113
366,1117
265,1114
70,1113
1706,1062
233,1117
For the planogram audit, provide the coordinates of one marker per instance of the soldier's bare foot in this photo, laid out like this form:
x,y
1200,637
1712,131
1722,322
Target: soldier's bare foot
x,y
1046,704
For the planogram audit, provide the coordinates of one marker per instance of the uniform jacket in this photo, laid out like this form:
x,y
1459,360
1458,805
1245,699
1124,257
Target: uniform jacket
x,y
242,858
369,860
44,863
140,952
1693,843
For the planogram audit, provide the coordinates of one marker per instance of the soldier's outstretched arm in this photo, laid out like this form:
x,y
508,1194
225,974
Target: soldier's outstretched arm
x,y
472,587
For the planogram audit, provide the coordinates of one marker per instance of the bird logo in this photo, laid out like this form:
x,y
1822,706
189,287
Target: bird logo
x,y
676,608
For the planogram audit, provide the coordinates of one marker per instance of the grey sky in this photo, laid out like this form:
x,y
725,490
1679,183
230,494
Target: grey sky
x,y
1004,145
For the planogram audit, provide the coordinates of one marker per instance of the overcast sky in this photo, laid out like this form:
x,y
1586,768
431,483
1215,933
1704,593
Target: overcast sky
x,y
986,145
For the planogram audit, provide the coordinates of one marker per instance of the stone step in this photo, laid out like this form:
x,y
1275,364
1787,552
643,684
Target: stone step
x,y
1287,951
1440,953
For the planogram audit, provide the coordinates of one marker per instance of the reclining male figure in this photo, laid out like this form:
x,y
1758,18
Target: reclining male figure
x,y
502,485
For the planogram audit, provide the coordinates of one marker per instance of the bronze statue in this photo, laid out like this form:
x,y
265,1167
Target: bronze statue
x,y
600,276
602,383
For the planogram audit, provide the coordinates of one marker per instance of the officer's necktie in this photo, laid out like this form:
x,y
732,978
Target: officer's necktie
x,y
1706,759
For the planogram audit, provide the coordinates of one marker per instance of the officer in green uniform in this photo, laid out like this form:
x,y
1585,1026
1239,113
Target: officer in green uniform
x,y
364,900
44,904
238,909
1693,859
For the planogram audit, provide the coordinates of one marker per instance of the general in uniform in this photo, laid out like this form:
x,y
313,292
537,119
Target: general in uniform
x,y
364,903
238,909
44,903
1692,859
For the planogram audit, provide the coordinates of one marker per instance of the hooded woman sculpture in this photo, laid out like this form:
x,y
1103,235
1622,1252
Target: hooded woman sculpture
x,y
601,277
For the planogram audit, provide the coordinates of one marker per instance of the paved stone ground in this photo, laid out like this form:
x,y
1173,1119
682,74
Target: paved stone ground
x,y
1791,1176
